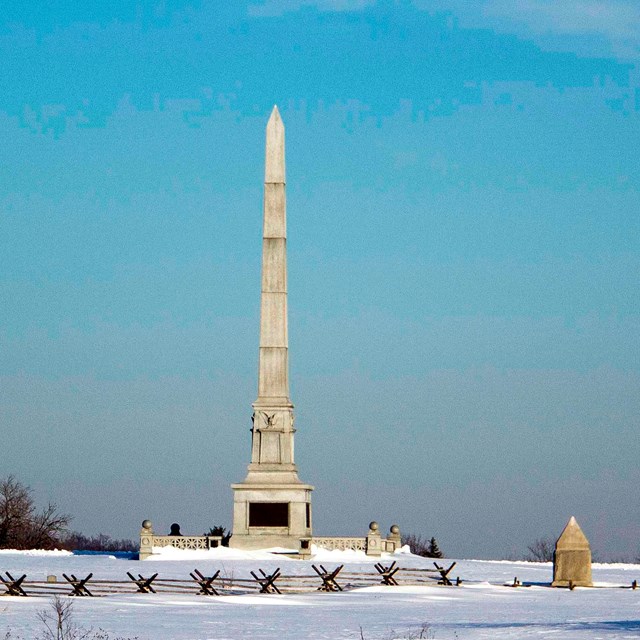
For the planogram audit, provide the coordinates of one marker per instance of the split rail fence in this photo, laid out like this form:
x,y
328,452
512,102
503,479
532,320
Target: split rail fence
x,y
328,580
259,581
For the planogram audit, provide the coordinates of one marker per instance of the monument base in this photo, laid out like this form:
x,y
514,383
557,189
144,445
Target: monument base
x,y
268,514
572,568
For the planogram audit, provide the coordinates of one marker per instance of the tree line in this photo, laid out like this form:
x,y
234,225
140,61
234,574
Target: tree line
x,y
23,526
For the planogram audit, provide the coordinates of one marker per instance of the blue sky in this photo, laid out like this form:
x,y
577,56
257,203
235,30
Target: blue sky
x,y
464,262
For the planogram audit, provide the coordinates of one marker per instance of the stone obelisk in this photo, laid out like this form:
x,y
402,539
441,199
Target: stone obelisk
x,y
572,558
272,507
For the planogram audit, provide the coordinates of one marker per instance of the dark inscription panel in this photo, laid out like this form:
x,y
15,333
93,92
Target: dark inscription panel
x,y
268,514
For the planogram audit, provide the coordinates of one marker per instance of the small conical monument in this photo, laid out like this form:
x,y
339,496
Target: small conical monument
x,y
272,507
572,558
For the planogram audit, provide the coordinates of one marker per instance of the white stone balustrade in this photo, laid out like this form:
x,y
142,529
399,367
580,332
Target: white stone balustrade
x,y
149,541
372,544
187,542
342,543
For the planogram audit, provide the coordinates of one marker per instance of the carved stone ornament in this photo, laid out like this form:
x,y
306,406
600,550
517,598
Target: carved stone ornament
x,y
269,420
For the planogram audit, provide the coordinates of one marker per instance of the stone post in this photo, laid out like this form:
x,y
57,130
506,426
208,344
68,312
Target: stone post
x,y
374,540
395,539
305,549
146,540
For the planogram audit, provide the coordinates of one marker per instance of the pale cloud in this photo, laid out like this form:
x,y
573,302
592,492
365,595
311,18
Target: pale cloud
x,y
588,27
269,8
614,20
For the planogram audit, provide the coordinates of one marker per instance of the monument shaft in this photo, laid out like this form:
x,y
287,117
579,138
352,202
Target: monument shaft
x,y
273,369
272,507
272,432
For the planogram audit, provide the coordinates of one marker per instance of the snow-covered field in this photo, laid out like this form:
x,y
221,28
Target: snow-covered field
x,y
481,608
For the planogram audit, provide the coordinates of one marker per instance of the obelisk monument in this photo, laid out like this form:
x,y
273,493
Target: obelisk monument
x,y
572,558
272,507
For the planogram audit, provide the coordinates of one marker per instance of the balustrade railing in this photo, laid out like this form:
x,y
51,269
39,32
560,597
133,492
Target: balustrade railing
x,y
373,544
341,543
186,542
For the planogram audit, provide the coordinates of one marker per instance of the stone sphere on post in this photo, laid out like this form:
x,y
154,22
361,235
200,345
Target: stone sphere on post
x,y
146,540
395,539
374,540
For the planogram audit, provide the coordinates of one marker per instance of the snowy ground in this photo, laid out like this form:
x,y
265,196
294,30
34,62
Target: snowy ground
x,y
481,608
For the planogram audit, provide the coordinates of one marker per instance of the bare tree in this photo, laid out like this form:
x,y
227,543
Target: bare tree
x,y
21,526
541,550
16,508
58,622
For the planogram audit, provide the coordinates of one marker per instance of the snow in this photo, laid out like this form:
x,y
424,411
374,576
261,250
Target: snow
x,y
482,608
218,553
35,552
348,555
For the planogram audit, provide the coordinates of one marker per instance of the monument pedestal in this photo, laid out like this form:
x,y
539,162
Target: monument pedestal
x,y
267,514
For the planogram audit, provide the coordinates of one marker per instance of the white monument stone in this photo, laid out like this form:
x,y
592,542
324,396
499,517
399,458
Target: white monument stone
x,y
572,558
271,506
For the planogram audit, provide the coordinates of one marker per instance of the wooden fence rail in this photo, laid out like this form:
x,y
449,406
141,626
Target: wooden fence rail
x,y
257,582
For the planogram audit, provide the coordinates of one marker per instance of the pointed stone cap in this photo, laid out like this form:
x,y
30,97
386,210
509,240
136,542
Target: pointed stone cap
x,y
572,537
274,154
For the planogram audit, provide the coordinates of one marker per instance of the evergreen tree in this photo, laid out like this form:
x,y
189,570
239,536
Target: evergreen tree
x,y
220,531
434,549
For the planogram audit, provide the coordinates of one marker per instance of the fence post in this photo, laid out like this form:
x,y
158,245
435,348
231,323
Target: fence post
x,y
394,541
374,540
305,548
146,540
